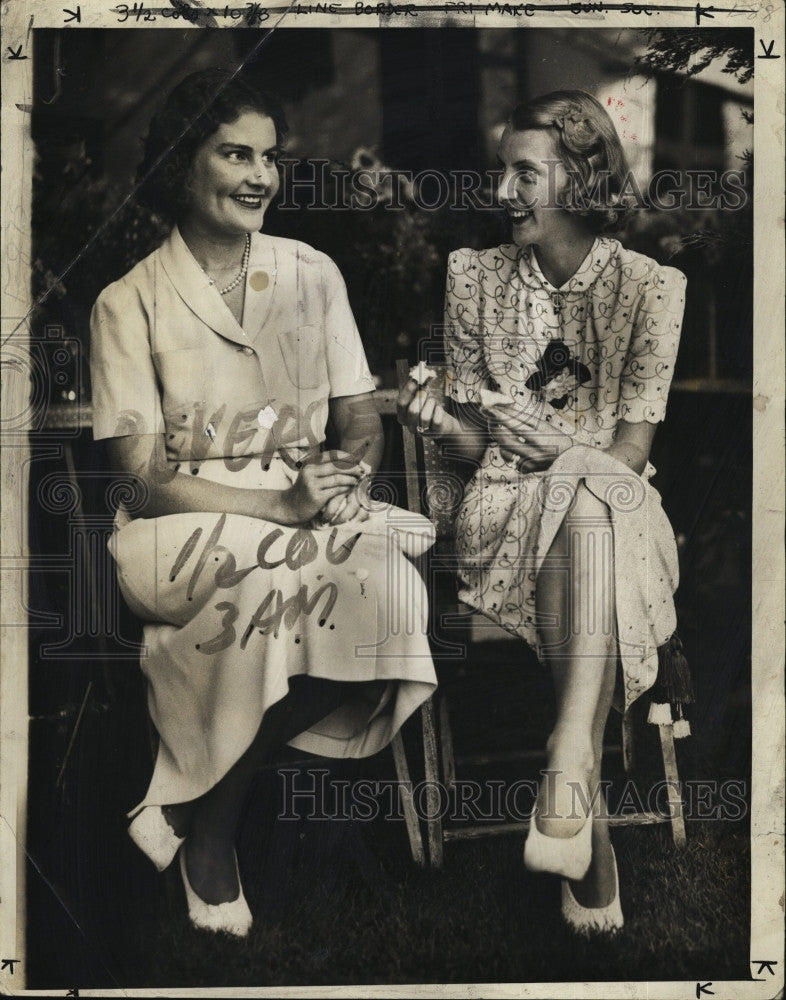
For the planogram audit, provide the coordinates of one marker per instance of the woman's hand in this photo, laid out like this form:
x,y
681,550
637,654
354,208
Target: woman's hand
x,y
345,508
422,413
328,475
525,438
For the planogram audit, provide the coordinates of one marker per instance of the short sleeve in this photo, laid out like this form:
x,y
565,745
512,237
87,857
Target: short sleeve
x,y
463,347
125,393
348,370
652,354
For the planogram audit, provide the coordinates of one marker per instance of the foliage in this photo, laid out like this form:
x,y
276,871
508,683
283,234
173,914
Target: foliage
x,y
674,50
87,232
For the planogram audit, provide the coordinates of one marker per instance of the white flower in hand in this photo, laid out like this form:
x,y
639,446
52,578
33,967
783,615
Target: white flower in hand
x,y
422,374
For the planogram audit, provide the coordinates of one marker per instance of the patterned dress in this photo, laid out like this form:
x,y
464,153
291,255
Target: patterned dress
x,y
596,351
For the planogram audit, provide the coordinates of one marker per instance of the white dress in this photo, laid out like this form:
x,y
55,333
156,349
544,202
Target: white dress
x,y
234,606
599,350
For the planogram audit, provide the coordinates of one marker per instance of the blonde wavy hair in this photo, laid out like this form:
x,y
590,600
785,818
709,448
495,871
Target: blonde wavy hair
x,y
590,148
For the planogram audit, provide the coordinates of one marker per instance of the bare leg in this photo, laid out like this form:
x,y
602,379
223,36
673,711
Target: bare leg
x,y
575,595
597,886
211,837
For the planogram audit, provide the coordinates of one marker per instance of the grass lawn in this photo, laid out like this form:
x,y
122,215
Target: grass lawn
x,y
341,902
484,918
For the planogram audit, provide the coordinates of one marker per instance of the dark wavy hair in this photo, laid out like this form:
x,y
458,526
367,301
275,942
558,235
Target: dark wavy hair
x,y
589,147
191,113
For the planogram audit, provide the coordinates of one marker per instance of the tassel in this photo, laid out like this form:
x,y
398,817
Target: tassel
x,y
681,725
674,673
673,688
660,714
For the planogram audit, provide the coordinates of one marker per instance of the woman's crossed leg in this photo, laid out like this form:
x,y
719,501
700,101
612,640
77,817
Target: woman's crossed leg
x,y
575,601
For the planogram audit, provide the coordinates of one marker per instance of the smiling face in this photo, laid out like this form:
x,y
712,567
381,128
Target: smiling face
x,y
234,177
532,181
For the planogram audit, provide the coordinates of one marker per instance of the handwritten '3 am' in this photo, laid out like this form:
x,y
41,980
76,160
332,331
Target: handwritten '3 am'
x,y
275,611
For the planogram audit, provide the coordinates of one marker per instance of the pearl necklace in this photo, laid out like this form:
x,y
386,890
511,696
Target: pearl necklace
x,y
241,273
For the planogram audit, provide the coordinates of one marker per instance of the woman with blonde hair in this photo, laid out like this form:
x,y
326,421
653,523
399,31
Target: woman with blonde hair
x,y
561,347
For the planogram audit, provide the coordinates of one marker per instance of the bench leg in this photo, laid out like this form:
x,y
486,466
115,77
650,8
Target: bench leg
x,y
405,793
446,744
673,785
433,797
628,750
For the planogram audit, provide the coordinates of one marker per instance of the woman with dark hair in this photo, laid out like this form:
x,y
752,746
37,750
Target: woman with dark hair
x,y
562,347
266,585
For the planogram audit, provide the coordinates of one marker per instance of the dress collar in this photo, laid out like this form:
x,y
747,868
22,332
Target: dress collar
x,y
204,299
579,283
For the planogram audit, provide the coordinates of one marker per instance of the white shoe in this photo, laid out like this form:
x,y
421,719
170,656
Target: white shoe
x,y
566,856
233,917
588,920
155,837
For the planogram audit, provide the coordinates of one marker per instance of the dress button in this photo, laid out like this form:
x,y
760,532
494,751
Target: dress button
x,y
248,350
